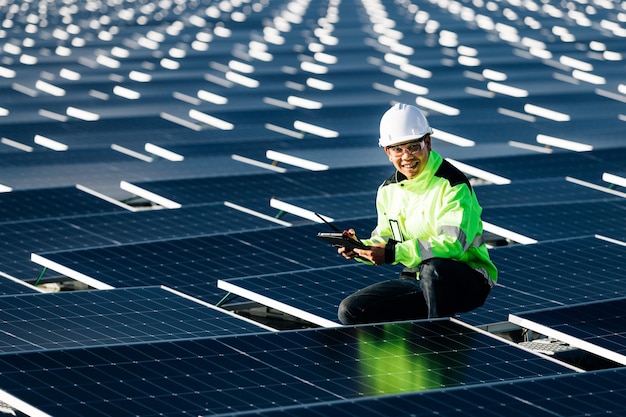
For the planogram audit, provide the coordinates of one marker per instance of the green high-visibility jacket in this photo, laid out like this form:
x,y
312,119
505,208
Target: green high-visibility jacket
x,y
434,215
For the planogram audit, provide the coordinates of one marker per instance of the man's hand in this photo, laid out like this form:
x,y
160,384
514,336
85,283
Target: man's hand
x,y
375,254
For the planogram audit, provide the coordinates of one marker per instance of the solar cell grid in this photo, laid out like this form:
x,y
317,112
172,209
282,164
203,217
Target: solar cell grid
x,y
559,164
570,271
560,221
590,394
312,295
11,286
530,193
193,265
245,188
109,317
530,277
245,373
18,240
20,206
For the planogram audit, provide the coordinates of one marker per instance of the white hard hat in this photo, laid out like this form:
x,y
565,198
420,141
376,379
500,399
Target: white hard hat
x,y
401,123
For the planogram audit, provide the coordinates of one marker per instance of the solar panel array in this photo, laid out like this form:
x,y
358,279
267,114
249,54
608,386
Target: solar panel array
x,y
173,155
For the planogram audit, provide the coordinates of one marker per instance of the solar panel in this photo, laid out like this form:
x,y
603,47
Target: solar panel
x,y
442,58
18,240
584,165
597,327
560,221
21,239
193,265
530,277
550,275
245,188
252,372
41,322
10,285
524,194
590,394
311,295
19,206
561,271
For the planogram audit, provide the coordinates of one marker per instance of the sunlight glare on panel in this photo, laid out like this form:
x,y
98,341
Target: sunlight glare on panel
x,y
494,75
304,103
575,63
410,87
587,77
614,179
315,129
325,58
51,89
16,145
211,97
453,139
416,71
210,120
126,92
7,72
546,113
313,68
50,143
319,84
169,64
563,143
163,153
242,79
437,106
82,114
108,62
240,66
119,52
506,89
295,161
140,77
69,74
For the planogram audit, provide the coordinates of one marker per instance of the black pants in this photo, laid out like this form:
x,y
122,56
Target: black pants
x,y
445,287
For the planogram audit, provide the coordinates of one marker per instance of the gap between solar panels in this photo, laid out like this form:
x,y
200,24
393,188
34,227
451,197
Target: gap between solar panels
x,y
594,327
140,199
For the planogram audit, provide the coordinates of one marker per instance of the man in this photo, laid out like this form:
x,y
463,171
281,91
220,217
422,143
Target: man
x,y
429,221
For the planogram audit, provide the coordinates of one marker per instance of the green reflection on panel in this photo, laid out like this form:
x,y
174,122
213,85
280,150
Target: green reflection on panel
x,y
390,362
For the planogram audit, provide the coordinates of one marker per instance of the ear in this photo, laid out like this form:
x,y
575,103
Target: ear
x,y
428,143
387,152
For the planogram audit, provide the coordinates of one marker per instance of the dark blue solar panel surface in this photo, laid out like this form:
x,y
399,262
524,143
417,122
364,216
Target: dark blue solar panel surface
x,y
560,221
595,393
244,188
531,193
588,326
9,286
583,165
194,265
42,322
530,277
365,81
19,240
21,206
225,375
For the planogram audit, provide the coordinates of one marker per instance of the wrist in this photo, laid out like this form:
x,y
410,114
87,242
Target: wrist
x,y
390,251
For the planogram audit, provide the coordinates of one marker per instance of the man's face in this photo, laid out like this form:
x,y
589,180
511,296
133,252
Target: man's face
x,y
410,157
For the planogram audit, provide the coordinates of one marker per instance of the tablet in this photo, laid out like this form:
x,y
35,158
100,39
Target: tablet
x,y
342,239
